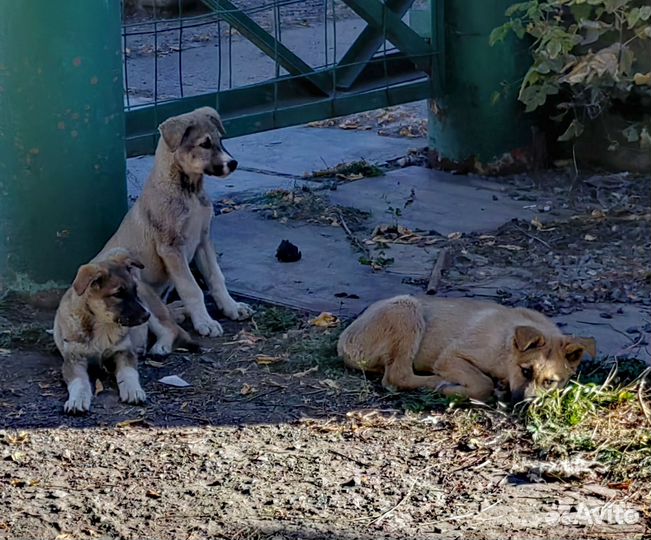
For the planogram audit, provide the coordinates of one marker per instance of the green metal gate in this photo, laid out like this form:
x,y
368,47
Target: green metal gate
x,y
353,55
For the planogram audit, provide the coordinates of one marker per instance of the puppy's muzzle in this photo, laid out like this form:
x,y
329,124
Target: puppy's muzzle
x,y
222,169
135,317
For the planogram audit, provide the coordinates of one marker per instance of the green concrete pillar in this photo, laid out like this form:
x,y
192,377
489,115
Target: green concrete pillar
x,y
464,120
62,161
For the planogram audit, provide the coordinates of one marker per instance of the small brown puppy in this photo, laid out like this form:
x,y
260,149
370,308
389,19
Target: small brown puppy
x,y
169,227
467,345
95,321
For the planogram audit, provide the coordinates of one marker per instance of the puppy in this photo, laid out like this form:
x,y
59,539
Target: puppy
x,y
466,346
94,322
169,226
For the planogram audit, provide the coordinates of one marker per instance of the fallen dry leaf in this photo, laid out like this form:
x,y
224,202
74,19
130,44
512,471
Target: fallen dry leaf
x,y
589,237
455,235
540,226
265,360
18,457
132,422
245,338
19,439
325,320
330,384
154,363
301,374
247,389
153,494
510,247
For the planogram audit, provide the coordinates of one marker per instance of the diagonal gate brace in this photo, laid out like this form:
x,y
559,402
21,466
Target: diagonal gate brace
x,y
364,47
380,17
267,43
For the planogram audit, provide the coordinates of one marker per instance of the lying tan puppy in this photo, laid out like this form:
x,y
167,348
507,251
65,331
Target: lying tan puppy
x,y
468,346
95,321
169,226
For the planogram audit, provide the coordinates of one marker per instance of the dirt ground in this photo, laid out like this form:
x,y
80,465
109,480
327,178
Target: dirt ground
x,y
275,439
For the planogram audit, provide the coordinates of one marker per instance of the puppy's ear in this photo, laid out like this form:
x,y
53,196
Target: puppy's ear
x,y
527,338
174,130
575,346
216,120
86,276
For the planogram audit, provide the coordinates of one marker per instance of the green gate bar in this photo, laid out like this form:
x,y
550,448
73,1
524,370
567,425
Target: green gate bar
x,y
62,166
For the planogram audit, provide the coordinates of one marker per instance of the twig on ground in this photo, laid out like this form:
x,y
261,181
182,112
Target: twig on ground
x,y
463,516
533,237
353,459
437,270
396,506
356,241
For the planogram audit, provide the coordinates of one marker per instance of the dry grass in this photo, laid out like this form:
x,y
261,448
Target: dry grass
x,y
607,423
304,204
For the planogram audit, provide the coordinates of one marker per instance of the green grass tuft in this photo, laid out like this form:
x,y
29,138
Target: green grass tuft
x,y
274,320
317,348
607,422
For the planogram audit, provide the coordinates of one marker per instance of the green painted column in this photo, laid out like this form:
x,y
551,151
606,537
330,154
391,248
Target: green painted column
x,y
464,121
62,161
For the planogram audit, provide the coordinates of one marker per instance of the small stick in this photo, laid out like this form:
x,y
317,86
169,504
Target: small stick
x,y
395,507
356,241
435,276
533,237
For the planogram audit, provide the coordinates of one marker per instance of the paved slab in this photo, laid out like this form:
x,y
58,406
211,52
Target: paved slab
x,y
301,150
615,336
329,265
434,200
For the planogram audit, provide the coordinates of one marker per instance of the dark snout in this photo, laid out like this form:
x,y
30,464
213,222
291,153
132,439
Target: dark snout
x,y
133,313
517,395
222,169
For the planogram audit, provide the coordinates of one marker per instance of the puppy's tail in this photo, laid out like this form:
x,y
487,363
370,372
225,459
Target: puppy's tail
x,y
185,341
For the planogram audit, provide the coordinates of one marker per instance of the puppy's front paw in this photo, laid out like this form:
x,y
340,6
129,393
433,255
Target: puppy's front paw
x,y
238,311
79,397
129,386
208,328
163,347
132,393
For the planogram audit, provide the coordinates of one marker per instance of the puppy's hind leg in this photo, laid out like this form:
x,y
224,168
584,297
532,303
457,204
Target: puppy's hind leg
x,y
126,375
80,393
462,377
161,323
386,338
